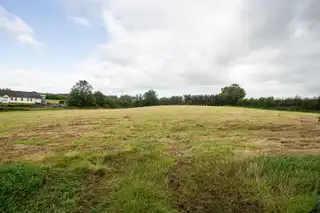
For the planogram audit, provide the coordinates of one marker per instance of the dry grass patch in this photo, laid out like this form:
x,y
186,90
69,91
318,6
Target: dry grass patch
x,y
175,127
166,159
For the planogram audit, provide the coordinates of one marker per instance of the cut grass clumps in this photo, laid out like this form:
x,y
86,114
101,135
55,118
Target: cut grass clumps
x,y
266,184
32,188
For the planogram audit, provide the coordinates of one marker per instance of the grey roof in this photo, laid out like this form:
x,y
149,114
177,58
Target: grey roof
x,y
22,94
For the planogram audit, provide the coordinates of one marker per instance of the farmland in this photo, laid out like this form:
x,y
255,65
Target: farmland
x,y
51,101
159,159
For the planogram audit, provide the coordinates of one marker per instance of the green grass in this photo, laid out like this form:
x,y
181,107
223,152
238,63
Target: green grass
x,y
142,185
162,159
30,142
294,181
144,182
50,101
264,184
33,188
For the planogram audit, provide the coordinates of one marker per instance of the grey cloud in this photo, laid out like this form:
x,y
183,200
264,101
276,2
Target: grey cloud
x,y
270,47
203,79
292,28
268,22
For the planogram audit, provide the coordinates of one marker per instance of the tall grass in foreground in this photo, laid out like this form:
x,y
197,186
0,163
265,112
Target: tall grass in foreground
x,y
33,188
293,182
142,180
266,184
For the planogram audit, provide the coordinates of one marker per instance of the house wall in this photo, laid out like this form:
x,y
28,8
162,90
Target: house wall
x,y
4,99
24,100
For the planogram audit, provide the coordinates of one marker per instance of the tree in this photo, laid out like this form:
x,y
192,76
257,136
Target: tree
x,y
150,98
109,102
127,101
165,101
81,95
100,98
231,94
176,100
138,101
56,96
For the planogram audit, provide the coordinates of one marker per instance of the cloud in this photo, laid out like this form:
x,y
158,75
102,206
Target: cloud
x,y
152,45
80,21
41,81
290,31
186,46
28,39
17,27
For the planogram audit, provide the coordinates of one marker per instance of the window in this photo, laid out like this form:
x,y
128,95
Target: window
x,y
11,98
30,99
15,99
21,99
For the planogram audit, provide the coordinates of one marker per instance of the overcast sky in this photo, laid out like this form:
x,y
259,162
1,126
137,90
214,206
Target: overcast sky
x,y
269,47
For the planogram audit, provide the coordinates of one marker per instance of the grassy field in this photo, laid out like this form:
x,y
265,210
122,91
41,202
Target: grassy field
x,y
159,159
50,101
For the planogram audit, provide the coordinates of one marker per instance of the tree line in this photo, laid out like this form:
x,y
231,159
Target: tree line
x,y
59,97
82,95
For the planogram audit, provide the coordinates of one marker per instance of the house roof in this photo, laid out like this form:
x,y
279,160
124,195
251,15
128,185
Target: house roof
x,y
22,94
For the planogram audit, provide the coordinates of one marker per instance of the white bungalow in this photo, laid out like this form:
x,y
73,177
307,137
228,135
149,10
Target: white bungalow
x,y
20,97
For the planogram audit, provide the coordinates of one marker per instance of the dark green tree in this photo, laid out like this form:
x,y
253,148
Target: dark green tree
x,y
81,95
56,96
100,98
109,102
165,101
187,99
127,101
231,94
150,98
137,101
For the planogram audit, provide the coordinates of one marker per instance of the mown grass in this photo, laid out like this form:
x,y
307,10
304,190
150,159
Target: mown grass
x,y
162,159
